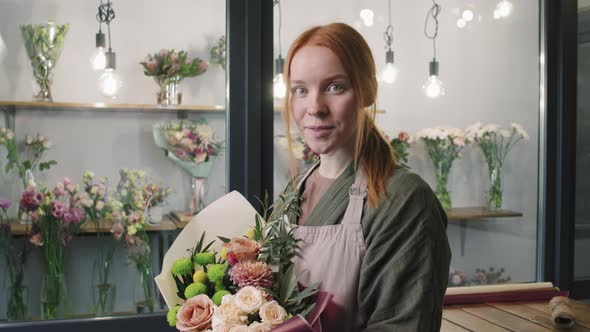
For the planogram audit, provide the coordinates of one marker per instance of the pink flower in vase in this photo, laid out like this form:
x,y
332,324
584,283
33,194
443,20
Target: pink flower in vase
x,y
204,65
152,66
59,190
31,199
57,209
67,182
173,57
5,203
163,52
117,231
74,215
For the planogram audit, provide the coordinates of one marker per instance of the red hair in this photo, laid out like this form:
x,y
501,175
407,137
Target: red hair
x,y
355,55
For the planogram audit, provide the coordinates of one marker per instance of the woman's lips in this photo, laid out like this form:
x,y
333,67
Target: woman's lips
x,y
320,131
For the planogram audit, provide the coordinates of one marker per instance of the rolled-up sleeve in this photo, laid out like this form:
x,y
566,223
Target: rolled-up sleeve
x,y
404,272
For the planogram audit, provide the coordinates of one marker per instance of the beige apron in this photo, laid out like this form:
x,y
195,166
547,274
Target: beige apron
x,y
332,255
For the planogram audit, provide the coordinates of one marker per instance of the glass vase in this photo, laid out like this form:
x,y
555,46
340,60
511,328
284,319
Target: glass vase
x,y
17,303
43,43
494,195
169,93
53,296
442,176
144,290
104,299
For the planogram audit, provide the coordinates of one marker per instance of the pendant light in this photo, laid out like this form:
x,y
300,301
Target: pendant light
x,y
433,87
279,87
389,74
109,82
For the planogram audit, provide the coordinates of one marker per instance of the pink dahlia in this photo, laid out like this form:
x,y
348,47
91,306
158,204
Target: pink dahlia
x,y
251,273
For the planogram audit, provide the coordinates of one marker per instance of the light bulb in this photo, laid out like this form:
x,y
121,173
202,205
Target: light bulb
x,y
461,23
389,74
467,15
503,9
98,59
279,87
109,83
367,16
433,88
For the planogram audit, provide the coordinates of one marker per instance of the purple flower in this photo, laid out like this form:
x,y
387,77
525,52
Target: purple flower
x,y
4,203
31,199
57,209
74,215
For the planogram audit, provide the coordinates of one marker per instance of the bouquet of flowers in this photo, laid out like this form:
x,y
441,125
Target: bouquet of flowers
x,y
102,211
444,145
43,43
249,284
193,146
35,147
15,260
400,146
168,68
495,143
58,215
155,195
132,225
218,53
301,150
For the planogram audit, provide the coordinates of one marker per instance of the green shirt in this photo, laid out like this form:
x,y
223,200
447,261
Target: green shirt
x,y
405,270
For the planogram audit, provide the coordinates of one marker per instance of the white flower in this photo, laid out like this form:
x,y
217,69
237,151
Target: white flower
x,y
504,132
178,135
272,313
28,140
40,138
260,327
9,134
87,203
99,205
520,130
298,148
47,144
94,190
228,313
458,141
239,328
249,299
489,128
206,133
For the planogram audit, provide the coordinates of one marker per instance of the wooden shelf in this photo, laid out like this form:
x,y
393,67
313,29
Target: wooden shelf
x,y
463,214
167,224
31,105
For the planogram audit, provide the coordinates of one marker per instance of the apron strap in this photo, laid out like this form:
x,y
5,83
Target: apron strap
x,y
356,198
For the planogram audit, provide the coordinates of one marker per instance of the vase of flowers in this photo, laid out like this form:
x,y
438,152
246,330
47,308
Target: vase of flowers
x,y
155,196
495,143
443,145
218,53
193,146
400,146
15,257
43,43
131,194
168,68
58,216
101,211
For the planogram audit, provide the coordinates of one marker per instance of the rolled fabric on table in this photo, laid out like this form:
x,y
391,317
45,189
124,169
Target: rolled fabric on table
x,y
562,314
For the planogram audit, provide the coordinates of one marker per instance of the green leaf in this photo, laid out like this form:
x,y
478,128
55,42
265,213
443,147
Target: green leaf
x,y
224,239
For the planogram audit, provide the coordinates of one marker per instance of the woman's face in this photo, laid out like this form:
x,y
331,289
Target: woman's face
x,y
322,101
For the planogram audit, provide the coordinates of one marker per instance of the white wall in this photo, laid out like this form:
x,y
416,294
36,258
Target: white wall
x,y
107,141
491,74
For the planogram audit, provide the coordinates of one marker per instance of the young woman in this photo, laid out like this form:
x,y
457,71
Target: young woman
x,y
371,232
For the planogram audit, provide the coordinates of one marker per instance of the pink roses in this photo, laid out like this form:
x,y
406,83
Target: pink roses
x,y
241,249
195,314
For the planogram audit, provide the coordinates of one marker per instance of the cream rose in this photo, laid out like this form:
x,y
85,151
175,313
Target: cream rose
x,y
249,299
239,328
195,314
272,313
229,313
260,327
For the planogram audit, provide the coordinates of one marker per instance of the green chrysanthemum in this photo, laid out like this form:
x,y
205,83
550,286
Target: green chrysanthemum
x,y
204,258
194,289
182,267
215,272
219,286
218,296
171,315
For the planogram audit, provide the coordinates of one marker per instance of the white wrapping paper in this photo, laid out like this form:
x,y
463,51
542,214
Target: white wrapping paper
x,y
229,216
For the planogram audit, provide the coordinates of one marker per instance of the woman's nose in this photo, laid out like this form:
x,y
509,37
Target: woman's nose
x,y
317,105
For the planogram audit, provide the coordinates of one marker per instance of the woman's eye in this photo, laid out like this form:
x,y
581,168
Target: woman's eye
x,y
299,91
335,87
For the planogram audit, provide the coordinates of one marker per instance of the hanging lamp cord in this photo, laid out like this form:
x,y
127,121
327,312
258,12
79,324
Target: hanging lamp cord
x,y
278,4
388,34
106,14
433,12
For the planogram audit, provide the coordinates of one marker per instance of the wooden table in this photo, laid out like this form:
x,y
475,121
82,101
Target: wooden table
x,y
509,316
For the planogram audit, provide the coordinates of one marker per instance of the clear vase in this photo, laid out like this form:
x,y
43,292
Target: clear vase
x,y
169,93
494,195
442,176
144,290
104,299
197,200
53,296
43,43
17,303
